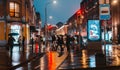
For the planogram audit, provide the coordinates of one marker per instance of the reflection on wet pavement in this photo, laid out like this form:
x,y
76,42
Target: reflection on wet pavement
x,y
50,61
19,59
85,59
79,60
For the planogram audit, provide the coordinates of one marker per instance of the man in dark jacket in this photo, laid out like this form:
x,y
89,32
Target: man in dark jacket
x,y
11,42
68,42
60,43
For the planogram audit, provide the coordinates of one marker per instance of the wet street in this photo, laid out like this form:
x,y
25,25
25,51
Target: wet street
x,y
30,59
45,59
84,60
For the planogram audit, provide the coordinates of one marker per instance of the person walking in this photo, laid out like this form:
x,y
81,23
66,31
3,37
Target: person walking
x,y
11,43
23,43
68,43
20,42
60,43
53,43
32,42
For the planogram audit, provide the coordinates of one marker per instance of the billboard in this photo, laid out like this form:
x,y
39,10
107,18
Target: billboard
x,y
94,30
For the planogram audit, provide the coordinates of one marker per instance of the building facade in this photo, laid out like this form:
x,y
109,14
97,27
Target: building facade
x,y
16,16
91,11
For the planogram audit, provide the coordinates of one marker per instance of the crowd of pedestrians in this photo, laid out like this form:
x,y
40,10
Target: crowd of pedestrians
x,y
58,42
68,41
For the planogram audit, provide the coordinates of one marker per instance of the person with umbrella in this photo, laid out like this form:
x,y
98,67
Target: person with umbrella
x,y
11,42
13,34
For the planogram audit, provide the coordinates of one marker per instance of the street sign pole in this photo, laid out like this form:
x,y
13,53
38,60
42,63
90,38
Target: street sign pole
x,y
104,14
105,32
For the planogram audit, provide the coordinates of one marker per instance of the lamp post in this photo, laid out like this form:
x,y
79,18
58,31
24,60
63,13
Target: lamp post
x,y
46,31
79,22
80,37
115,19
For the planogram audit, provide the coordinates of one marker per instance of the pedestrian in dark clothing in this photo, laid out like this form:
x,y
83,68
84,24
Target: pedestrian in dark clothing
x,y
72,42
81,41
53,42
60,43
11,42
20,42
23,43
32,42
68,42
119,38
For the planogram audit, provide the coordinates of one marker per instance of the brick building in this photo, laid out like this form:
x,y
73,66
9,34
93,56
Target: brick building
x,y
16,16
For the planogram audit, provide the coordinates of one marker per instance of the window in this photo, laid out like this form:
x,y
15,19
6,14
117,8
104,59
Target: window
x,y
0,1
14,9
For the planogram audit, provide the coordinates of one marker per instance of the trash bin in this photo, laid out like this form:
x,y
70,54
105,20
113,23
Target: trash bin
x,y
100,59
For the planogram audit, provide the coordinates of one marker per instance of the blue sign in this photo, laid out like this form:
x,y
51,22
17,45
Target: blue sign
x,y
104,13
93,30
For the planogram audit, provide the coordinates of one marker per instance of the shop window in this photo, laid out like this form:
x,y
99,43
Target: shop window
x,y
14,9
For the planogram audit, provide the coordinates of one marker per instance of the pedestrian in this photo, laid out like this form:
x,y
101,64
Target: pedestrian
x,y
60,43
81,42
53,42
72,42
20,41
68,43
11,42
32,42
23,43
118,38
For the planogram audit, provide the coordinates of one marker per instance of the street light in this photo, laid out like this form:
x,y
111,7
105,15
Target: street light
x,y
80,18
115,19
50,17
46,38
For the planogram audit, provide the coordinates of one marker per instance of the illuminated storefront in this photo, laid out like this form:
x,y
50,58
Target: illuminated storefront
x,y
15,29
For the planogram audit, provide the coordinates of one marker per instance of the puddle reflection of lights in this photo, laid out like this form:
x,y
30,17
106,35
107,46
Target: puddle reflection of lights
x,y
42,63
92,61
107,49
116,59
15,55
72,57
84,59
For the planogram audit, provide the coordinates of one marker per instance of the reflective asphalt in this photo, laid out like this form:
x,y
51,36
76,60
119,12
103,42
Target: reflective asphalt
x,y
17,59
45,59
30,59
84,60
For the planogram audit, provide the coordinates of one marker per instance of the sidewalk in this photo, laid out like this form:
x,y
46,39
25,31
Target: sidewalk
x,y
18,59
10,61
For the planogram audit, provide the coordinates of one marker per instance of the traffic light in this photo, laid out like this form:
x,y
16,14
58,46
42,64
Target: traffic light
x,y
79,14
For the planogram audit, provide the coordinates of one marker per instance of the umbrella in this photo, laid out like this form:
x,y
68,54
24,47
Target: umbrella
x,y
13,34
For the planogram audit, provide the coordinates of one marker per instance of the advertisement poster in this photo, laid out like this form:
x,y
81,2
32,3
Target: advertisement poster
x,y
93,30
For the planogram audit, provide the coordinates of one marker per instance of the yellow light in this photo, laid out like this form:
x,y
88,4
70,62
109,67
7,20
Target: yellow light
x,y
115,2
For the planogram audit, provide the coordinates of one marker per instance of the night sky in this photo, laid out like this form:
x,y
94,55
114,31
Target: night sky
x,y
60,11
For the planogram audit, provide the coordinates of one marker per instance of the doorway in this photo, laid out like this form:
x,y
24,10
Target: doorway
x,y
16,29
